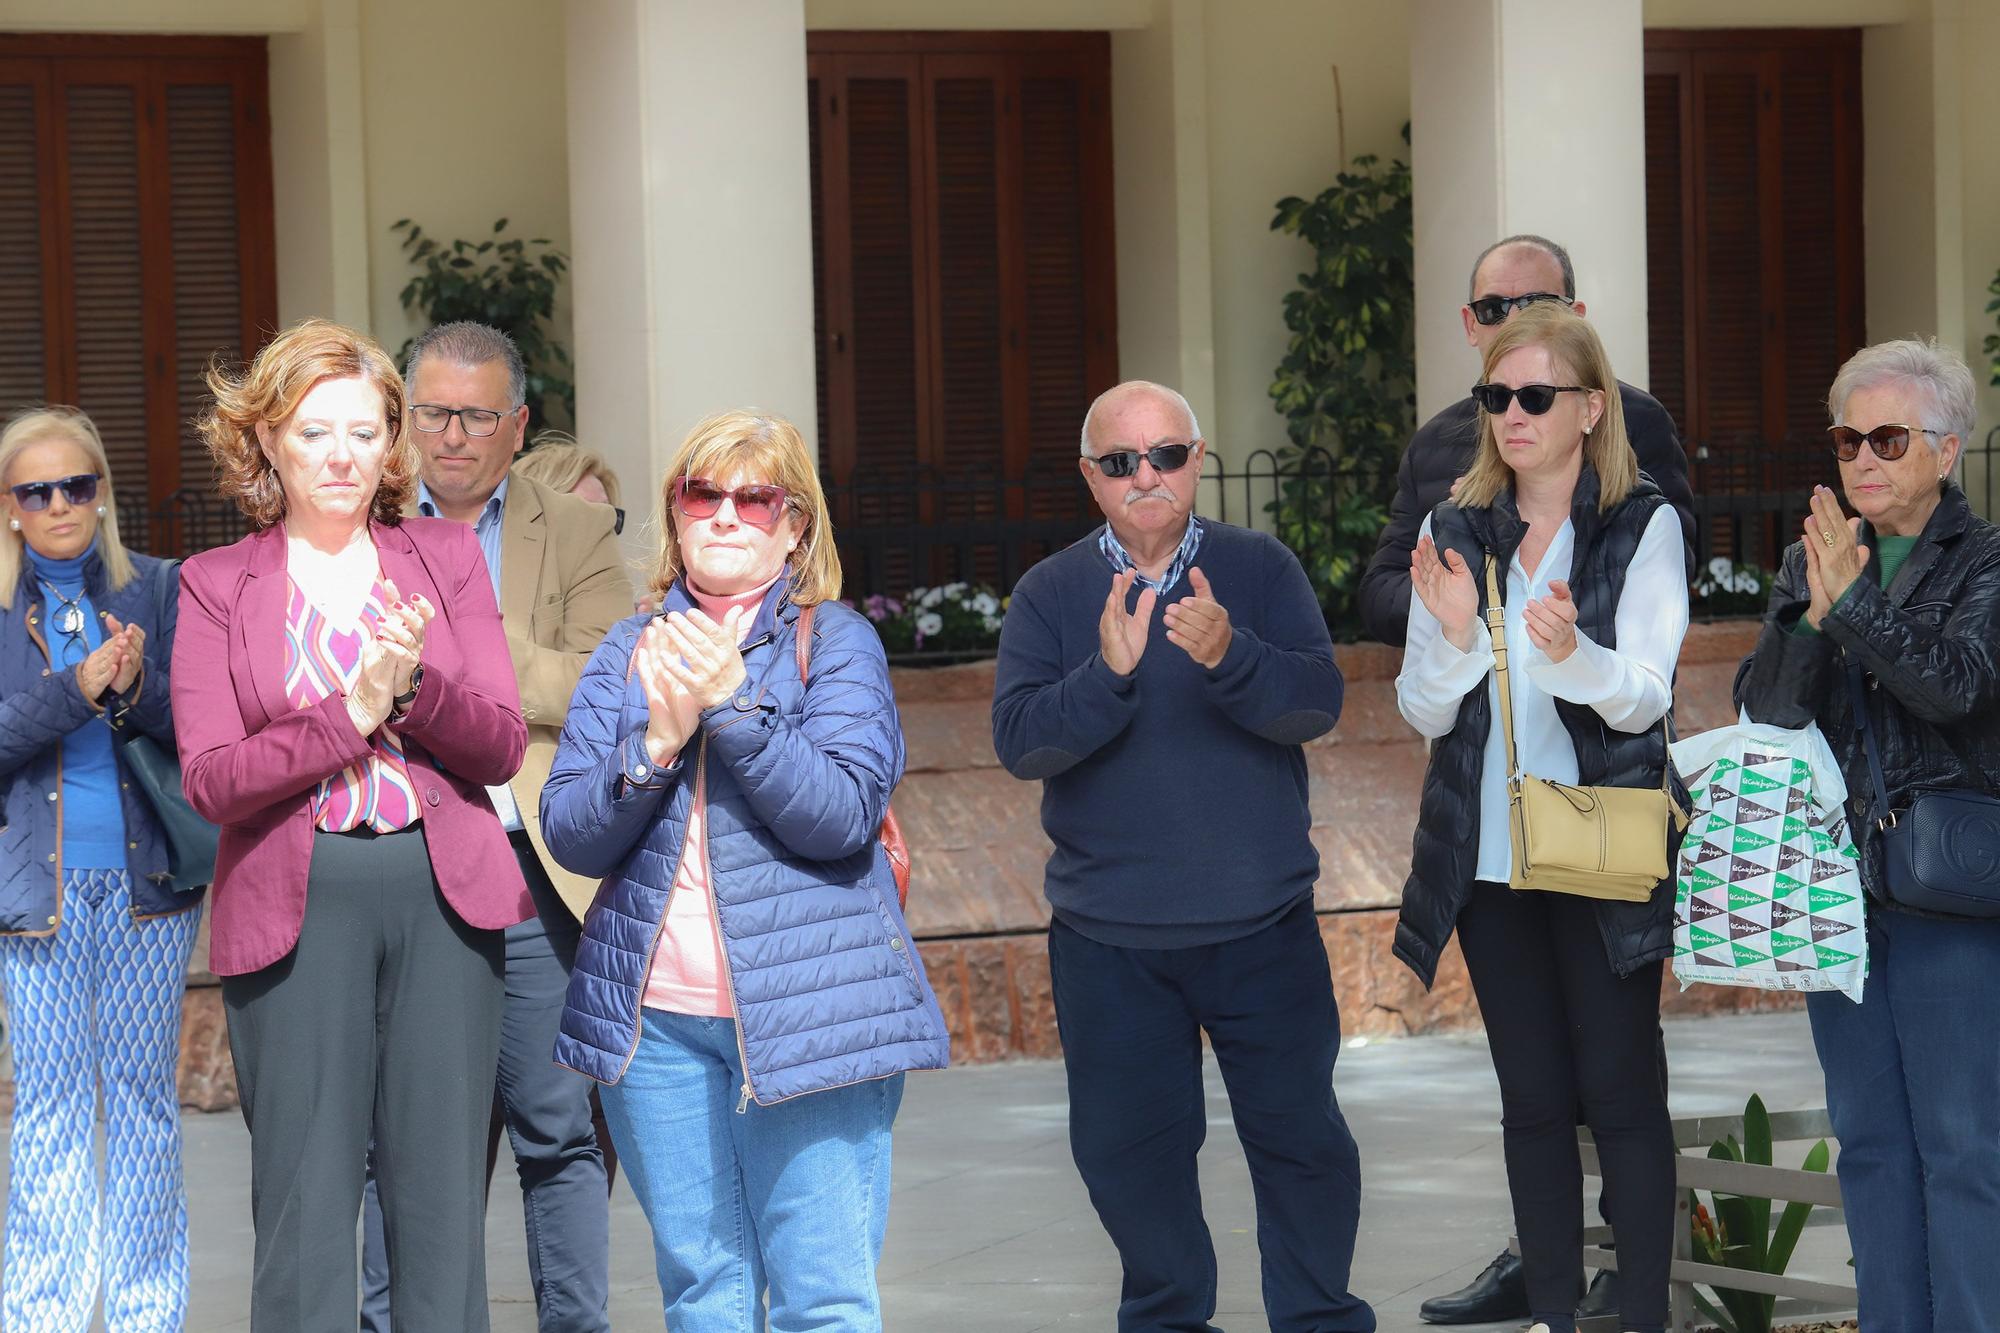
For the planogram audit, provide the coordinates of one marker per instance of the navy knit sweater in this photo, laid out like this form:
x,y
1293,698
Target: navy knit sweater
x,y
1176,796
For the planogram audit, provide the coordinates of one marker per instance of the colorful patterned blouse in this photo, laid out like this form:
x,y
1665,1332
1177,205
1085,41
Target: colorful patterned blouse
x,y
321,659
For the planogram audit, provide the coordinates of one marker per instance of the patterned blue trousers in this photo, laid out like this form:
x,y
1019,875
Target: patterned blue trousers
x,y
96,1007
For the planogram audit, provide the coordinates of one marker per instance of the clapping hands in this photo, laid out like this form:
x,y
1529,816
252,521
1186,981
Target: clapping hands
x,y
113,664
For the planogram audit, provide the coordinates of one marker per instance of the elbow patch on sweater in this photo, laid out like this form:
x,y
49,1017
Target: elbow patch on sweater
x,y
1300,725
1044,762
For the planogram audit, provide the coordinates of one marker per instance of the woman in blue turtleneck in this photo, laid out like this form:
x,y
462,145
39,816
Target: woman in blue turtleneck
x,y
94,938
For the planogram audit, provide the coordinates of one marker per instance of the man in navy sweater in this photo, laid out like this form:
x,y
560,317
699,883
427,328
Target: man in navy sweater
x,y
1160,679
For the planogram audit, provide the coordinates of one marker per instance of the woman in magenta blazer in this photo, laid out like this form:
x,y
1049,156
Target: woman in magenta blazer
x,y
344,693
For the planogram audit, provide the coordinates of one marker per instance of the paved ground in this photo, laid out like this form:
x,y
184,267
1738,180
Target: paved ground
x,y
991,1231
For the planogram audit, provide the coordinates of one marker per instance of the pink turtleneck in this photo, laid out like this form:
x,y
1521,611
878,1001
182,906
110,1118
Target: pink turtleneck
x,y
687,975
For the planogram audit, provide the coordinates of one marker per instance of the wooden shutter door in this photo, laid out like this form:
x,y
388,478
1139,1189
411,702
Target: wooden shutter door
x,y
1669,232
1067,280
29,337
115,374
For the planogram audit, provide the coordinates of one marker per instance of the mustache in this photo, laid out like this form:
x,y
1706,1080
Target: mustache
x,y
1157,493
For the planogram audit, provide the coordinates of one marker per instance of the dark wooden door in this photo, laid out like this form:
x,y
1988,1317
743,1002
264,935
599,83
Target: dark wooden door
x,y
136,240
964,288
1753,220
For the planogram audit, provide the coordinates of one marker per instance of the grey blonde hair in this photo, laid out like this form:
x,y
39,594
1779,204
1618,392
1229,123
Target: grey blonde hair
x,y
557,461
1934,370
33,426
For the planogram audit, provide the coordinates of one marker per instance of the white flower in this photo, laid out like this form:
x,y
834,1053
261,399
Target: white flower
x,y
1720,569
929,624
954,590
931,597
986,604
992,624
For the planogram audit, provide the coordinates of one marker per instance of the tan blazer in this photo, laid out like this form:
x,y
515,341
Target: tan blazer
x,y
563,585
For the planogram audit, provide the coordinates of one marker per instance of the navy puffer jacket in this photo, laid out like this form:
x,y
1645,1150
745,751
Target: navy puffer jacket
x,y
39,705
823,973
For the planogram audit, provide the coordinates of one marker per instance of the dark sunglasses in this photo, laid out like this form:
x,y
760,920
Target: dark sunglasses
x,y
1122,463
34,496
1889,442
1491,310
617,521
759,506
1535,398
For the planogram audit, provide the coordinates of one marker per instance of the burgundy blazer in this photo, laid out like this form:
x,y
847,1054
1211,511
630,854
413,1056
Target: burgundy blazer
x,y
250,761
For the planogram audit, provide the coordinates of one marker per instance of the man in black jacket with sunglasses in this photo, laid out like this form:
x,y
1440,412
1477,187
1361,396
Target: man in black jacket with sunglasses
x,y
1511,274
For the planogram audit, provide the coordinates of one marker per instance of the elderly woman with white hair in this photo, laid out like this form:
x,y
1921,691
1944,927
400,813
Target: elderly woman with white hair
x,y
94,933
1885,630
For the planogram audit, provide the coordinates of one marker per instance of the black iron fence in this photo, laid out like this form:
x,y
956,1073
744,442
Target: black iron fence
x,y
918,528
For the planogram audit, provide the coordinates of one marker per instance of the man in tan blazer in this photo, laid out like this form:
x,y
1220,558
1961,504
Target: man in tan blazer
x,y
561,585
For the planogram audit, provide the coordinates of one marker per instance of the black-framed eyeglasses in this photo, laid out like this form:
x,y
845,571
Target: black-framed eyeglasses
x,y
1535,398
1889,441
1491,310
432,418
1122,463
34,496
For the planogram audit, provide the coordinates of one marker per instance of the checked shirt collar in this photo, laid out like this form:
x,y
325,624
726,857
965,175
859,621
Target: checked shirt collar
x,y
1121,559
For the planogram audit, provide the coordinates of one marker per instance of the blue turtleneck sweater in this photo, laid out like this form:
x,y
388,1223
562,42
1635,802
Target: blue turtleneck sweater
x,y
93,821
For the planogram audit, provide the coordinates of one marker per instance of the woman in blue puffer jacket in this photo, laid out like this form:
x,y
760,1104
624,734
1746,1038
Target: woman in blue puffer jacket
x,y
746,986
94,935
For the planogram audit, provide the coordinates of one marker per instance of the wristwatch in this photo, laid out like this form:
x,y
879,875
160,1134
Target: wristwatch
x,y
401,703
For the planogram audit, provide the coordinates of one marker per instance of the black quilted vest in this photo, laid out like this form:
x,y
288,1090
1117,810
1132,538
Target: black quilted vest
x,y
1446,849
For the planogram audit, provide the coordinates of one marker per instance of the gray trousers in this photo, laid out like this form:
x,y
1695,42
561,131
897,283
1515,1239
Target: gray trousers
x,y
384,1020
546,1111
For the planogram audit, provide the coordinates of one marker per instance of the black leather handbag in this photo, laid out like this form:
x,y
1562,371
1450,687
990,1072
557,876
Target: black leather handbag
x,y
191,840
1941,852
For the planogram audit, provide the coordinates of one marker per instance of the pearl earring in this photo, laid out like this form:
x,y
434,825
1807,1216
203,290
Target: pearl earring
x,y
14,523
100,511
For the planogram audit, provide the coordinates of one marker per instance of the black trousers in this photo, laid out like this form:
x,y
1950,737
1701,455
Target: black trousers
x,y
1566,1032
385,1019
1131,1022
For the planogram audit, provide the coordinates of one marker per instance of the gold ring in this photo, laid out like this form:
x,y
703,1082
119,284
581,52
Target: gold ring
x,y
1826,535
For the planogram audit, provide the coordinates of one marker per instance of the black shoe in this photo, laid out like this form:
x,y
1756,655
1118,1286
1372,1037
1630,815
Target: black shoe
x,y
1500,1292
1602,1298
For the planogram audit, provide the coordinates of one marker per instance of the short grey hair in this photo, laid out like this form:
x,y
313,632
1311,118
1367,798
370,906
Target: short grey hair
x,y
1931,369
470,344
1542,243
1173,396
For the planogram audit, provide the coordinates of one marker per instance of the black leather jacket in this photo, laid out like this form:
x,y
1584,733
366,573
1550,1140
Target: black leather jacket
x,y
1929,649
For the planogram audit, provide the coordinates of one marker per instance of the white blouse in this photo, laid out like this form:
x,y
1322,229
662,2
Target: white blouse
x,y
1630,686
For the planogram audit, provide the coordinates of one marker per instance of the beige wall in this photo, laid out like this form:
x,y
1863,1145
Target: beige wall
x,y
1274,130
1777,13
464,122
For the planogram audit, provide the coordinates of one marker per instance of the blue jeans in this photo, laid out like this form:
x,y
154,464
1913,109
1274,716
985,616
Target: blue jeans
x,y
1913,1089
790,1199
1131,1022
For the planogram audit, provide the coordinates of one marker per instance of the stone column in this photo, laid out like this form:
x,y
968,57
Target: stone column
x,y
1527,116
690,222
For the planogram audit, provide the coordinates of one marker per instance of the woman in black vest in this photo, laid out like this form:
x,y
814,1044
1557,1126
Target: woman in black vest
x,y
1595,590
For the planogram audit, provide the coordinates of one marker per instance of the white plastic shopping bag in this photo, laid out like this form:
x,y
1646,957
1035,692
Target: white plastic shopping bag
x,y
1767,893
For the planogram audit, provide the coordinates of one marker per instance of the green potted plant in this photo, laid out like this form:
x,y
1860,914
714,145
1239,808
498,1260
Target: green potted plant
x,y
503,281
1738,1234
1347,384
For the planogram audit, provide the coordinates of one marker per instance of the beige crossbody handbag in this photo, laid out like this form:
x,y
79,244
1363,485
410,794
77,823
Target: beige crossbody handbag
x,y
1596,842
